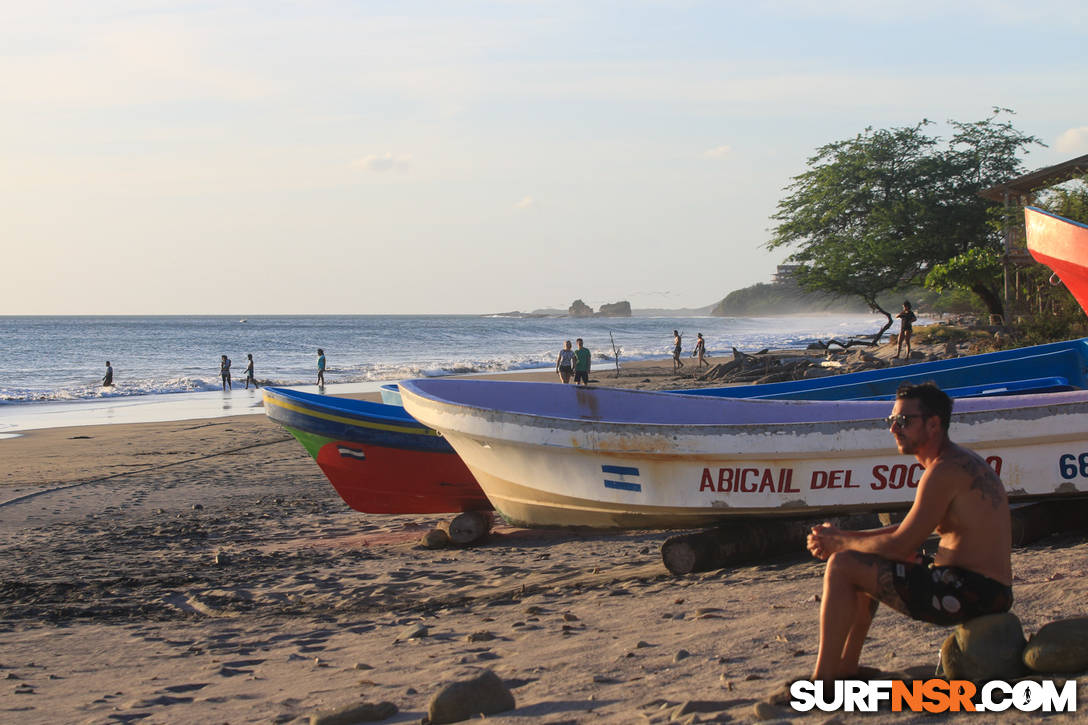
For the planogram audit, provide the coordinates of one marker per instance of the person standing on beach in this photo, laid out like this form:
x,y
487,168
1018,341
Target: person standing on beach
x,y
564,364
906,327
224,372
700,350
107,379
961,498
249,371
677,363
320,368
581,363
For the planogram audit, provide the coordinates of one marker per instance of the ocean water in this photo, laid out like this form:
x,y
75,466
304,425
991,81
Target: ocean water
x,y
51,360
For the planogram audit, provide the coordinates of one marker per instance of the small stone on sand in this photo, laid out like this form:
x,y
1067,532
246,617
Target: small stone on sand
x,y
362,712
481,694
413,631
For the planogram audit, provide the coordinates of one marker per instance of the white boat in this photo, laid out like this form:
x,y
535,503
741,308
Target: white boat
x,y
552,455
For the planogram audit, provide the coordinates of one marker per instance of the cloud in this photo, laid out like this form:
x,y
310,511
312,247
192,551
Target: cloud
x,y
383,162
718,152
526,203
1073,141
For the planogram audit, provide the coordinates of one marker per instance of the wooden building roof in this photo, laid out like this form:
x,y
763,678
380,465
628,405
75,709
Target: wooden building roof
x,y
1039,179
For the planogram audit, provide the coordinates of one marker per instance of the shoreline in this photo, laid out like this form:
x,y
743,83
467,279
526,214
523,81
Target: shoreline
x,y
21,418
157,389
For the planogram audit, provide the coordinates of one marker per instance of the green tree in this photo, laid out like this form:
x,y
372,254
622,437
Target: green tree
x,y
977,270
855,214
877,212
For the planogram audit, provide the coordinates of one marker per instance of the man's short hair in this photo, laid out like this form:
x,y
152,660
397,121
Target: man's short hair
x,y
931,399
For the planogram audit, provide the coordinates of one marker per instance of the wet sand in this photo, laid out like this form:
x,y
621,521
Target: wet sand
x,y
205,571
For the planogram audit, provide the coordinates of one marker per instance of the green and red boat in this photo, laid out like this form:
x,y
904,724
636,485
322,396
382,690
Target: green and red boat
x,y
377,457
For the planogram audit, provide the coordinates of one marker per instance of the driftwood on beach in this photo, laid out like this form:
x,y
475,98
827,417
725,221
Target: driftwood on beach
x,y
849,343
746,540
1036,521
773,367
760,368
751,540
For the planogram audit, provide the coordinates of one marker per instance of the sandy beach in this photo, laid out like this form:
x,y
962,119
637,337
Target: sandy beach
x,y
204,571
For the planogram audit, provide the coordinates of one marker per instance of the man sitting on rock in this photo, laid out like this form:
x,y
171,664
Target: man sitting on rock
x,y
961,498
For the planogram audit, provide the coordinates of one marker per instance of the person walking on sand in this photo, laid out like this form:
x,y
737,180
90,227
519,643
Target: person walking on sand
x,y
581,363
961,498
700,350
906,327
224,372
564,364
320,368
107,379
249,371
677,363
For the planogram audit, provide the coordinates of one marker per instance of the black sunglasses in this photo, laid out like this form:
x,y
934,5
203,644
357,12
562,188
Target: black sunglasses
x,y
902,419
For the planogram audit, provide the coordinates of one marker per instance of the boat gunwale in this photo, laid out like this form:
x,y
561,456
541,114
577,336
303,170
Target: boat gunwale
x,y
536,420
405,424
1059,217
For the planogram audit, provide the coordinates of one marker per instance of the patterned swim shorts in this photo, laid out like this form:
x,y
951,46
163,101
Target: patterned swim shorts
x,y
948,595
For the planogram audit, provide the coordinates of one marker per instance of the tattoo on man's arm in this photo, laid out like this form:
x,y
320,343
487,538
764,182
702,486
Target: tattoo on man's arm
x,y
984,480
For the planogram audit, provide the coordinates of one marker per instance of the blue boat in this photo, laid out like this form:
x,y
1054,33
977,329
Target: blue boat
x,y
1051,367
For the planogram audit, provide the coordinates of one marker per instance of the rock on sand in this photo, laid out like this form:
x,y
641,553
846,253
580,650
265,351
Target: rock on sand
x,y
480,693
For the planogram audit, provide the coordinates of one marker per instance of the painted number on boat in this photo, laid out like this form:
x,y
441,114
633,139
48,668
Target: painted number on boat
x,y
1071,465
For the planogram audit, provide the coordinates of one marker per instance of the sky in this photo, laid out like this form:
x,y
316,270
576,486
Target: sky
x,y
221,157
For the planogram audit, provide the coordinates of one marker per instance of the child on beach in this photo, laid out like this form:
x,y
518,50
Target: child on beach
x,y
224,372
320,368
564,364
249,371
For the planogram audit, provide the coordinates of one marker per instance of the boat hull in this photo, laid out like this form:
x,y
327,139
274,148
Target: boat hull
x,y
1062,245
378,458
590,462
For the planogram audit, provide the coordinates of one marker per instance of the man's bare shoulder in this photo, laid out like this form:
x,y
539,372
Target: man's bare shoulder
x,y
966,467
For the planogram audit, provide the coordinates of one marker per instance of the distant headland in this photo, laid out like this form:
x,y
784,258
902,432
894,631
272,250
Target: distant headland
x,y
777,298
